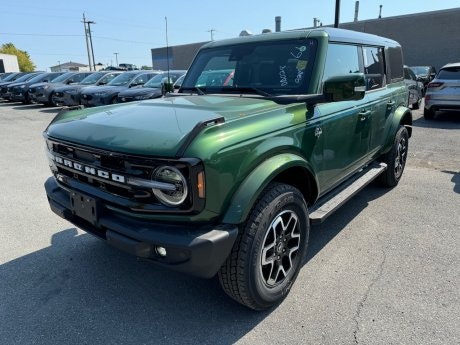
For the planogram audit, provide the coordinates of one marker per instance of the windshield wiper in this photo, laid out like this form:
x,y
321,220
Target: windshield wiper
x,y
252,89
195,88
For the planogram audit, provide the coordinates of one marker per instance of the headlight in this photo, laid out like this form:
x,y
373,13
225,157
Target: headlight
x,y
46,87
22,86
173,177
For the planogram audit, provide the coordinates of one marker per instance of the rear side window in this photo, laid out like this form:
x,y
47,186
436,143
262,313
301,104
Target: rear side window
x,y
374,67
341,59
395,61
449,73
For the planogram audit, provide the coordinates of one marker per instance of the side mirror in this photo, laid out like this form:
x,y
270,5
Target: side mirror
x,y
46,81
347,87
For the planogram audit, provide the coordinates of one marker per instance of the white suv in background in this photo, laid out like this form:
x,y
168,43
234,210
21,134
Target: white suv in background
x,y
443,92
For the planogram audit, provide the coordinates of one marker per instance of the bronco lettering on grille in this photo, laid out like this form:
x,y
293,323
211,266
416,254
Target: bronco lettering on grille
x,y
89,170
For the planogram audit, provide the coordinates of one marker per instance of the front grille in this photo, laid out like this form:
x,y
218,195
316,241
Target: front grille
x,y
135,198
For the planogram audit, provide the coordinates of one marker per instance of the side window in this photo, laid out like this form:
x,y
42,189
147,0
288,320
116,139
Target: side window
x,y
374,67
341,59
395,61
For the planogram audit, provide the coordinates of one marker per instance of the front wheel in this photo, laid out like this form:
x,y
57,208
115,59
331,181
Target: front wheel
x,y
396,159
269,251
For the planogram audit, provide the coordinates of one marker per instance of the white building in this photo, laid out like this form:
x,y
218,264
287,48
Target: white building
x,y
73,67
8,63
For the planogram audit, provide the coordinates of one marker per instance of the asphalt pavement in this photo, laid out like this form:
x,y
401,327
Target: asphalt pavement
x,y
384,269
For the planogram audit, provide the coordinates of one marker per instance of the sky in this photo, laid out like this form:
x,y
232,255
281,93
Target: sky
x,y
52,31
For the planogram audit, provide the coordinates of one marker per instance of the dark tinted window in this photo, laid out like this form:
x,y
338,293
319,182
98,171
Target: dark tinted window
x,y
341,59
374,67
395,61
449,73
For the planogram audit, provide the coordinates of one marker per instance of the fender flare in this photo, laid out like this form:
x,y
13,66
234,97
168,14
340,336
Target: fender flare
x,y
401,115
249,191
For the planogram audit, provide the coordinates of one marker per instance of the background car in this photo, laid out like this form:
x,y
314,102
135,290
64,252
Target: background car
x,y
102,95
43,92
20,91
5,90
4,75
415,88
443,92
11,78
424,74
152,89
69,95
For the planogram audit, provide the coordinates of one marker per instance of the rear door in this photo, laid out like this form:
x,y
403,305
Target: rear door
x,y
381,96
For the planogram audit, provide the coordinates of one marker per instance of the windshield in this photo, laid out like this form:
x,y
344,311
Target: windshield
x,y
38,78
122,79
63,77
420,70
280,67
9,77
161,78
25,77
91,79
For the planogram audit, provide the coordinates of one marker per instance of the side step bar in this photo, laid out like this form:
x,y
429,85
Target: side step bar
x,y
329,203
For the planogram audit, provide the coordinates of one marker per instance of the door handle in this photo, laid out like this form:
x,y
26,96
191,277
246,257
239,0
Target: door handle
x,y
363,115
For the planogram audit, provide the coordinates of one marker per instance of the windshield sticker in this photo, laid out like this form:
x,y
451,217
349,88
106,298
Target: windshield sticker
x,y
301,65
300,51
283,76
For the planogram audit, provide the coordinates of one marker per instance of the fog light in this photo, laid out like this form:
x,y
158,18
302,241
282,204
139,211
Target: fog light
x,y
161,251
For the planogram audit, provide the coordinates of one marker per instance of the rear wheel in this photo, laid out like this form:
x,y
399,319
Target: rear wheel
x,y
270,249
396,159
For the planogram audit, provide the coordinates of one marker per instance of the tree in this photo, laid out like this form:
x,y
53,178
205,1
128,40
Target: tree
x,y
24,60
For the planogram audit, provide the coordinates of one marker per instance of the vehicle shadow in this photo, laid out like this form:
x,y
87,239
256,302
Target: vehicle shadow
x,y
322,234
81,291
455,179
443,120
27,106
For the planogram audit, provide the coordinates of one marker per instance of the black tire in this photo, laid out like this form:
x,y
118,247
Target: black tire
x,y
395,159
428,114
51,101
114,100
416,105
270,249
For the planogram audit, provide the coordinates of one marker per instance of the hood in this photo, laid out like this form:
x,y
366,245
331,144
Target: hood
x,y
107,88
139,91
155,127
69,87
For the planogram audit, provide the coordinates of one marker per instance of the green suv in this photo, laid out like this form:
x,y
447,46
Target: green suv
x,y
226,176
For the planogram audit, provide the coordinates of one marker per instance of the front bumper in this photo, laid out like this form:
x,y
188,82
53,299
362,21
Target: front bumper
x,y
198,250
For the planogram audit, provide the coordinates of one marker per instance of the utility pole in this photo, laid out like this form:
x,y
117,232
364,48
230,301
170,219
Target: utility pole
x,y
212,34
380,12
337,13
116,58
91,43
87,42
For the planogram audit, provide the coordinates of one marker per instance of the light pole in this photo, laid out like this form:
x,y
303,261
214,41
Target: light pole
x,y
91,42
116,58
87,42
337,13
59,64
